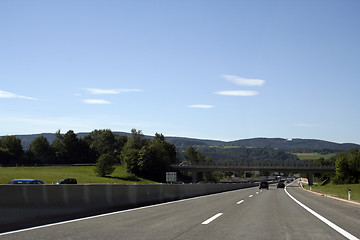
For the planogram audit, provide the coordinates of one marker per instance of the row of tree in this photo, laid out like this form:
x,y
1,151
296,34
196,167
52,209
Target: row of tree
x,y
151,158
143,157
245,155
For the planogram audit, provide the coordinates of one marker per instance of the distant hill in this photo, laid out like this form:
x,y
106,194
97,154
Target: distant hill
x,y
279,143
296,144
293,144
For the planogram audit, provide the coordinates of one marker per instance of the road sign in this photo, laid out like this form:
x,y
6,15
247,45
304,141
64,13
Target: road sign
x,y
171,177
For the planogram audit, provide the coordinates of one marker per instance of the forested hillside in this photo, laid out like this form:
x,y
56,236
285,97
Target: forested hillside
x,y
294,145
244,155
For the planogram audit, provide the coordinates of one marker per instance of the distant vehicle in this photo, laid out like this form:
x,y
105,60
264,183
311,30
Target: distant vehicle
x,y
178,182
185,164
264,185
67,181
26,181
280,185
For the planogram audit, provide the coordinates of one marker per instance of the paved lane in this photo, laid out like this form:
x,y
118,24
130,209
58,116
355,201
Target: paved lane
x,y
344,215
243,214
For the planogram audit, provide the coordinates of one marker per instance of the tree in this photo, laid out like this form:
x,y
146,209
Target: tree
x,y
58,147
105,141
5,155
130,152
347,167
105,165
195,156
70,149
41,151
136,140
155,159
148,159
15,151
191,155
130,158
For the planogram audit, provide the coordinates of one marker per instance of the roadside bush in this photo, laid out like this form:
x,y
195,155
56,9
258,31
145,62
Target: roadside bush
x,y
105,165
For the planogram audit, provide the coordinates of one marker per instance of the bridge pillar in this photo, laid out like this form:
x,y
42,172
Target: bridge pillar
x,y
310,178
196,176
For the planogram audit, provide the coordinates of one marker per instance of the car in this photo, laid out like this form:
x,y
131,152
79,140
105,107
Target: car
x,y
67,181
178,182
26,181
264,184
185,164
280,185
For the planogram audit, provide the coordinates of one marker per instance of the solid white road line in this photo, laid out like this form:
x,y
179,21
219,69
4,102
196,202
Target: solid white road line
x,y
329,223
212,219
239,202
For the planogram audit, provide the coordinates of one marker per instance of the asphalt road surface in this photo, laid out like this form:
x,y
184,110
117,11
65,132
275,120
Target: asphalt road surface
x,y
243,214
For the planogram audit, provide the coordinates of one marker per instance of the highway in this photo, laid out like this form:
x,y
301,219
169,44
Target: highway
x,y
243,214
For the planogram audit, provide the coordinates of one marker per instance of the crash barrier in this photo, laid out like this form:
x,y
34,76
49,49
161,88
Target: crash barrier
x,y
29,205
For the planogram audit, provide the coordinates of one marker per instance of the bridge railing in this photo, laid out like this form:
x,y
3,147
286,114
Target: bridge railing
x,y
256,165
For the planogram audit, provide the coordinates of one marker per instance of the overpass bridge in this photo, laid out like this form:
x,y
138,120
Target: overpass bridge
x,y
195,169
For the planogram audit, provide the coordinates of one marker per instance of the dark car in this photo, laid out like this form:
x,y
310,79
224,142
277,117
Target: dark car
x,y
26,181
264,185
280,185
67,181
178,182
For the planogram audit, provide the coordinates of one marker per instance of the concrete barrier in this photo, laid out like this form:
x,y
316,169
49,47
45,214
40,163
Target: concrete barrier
x,y
29,205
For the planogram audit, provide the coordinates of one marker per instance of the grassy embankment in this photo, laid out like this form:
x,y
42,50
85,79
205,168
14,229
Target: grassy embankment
x,y
83,174
332,189
340,191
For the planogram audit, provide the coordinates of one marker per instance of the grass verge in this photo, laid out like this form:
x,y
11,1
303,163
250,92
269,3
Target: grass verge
x,y
83,174
340,191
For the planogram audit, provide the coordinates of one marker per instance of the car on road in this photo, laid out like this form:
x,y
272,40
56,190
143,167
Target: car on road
x,y
26,181
264,184
67,181
178,182
280,185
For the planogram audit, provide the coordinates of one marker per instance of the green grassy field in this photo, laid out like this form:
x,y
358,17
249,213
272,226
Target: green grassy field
x,y
339,190
313,156
83,174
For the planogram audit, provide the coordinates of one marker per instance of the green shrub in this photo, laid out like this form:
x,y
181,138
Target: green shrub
x,y
105,165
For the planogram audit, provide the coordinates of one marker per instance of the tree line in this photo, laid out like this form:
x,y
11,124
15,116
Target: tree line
x,y
143,157
151,158
246,155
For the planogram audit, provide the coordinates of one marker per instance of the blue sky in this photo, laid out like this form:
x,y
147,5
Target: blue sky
x,y
222,70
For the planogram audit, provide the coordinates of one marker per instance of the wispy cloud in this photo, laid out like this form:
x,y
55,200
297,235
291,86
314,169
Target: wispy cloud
x,y
111,91
200,106
243,81
4,94
243,93
96,101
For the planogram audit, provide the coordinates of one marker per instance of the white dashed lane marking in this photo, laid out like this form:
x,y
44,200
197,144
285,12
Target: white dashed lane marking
x,y
212,219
